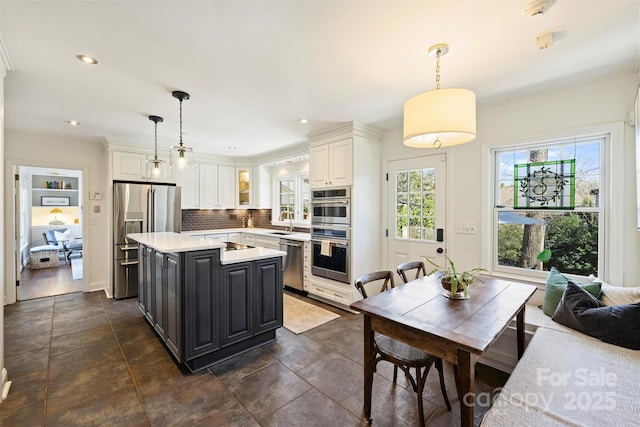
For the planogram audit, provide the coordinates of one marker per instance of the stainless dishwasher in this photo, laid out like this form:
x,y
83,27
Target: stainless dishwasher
x,y
293,263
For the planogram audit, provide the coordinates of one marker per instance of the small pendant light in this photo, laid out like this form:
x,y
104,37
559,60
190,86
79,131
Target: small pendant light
x,y
156,168
181,155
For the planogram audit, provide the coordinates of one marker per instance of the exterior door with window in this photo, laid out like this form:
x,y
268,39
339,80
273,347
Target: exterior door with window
x,y
416,210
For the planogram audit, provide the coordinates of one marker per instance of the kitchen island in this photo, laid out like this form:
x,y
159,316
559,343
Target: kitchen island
x,y
207,304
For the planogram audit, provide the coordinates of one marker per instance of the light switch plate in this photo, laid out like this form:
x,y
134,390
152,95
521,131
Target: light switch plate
x,y
466,228
95,195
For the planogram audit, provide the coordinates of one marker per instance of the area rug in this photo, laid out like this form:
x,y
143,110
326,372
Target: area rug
x,y
76,268
300,316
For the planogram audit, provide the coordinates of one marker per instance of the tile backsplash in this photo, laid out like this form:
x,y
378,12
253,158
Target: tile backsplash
x,y
197,219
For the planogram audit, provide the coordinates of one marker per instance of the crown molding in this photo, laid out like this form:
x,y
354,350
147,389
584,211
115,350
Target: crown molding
x,y
5,61
298,151
350,129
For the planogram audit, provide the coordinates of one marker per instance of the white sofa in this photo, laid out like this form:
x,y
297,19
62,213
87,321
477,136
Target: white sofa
x,y
568,378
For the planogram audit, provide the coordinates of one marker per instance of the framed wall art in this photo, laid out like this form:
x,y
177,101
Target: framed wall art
x,y
54,201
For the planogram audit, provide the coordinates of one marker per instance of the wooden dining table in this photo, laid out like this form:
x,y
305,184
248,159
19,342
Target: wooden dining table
x,y
458,331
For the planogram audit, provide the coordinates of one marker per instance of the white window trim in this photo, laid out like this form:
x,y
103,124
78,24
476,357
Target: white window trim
x,y
275,211
612,178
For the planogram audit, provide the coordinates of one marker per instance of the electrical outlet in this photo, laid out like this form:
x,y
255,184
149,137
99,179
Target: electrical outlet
x,y
466,228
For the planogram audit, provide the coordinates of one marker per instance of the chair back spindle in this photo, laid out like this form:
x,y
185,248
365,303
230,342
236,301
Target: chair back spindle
x,y
385,276
405,268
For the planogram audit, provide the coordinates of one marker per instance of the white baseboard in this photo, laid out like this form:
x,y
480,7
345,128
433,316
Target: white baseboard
x,y
99,286
6,385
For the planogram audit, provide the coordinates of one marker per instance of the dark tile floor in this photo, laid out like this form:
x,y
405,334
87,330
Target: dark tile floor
x,y
83,359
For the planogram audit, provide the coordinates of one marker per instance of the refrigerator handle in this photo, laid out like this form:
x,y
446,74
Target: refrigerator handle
x,y
149,210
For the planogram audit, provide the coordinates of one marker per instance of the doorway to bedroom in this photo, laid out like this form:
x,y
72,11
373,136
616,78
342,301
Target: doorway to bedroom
x,y
49,245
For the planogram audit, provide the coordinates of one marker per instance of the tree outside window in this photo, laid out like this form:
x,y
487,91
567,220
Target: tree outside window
x,y
415,204
571,235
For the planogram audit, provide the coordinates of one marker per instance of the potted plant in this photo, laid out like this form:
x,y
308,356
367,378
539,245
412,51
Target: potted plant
x,y
456,283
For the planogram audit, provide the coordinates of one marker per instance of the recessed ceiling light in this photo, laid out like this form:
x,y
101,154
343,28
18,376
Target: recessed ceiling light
x,y
303,121
231,147
73,123
87,59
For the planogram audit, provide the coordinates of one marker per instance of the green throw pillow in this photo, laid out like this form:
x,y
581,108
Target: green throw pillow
x,y
556,284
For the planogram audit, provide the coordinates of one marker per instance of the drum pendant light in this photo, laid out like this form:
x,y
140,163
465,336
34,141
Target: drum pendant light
x,y
440,117
156,168
181,155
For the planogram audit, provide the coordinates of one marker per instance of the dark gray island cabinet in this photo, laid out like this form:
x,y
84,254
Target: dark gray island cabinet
x,y
207,305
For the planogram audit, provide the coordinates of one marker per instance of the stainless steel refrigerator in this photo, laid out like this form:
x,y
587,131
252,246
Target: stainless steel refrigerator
x,y
139,208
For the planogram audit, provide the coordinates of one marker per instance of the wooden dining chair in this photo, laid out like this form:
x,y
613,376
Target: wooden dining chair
x,y
405,268
401,355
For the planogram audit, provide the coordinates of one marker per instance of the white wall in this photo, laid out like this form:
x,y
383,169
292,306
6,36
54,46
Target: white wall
x,y
543,114
87,154
4,383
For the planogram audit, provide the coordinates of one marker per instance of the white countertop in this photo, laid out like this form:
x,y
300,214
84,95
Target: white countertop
x,y
251,254
167,242
303,237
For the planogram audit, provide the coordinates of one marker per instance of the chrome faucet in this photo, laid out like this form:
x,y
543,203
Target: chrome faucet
x,y
290,222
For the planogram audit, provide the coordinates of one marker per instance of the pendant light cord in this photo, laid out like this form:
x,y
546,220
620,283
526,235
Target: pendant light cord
x,y
438,69
155,155
180,123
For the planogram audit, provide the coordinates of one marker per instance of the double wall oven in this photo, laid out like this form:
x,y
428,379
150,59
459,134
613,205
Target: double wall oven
x,y
331,233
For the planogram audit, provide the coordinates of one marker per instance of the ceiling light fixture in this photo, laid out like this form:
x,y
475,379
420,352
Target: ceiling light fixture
x,y
181,156
73,123
303,121
87,59
157,167
440,117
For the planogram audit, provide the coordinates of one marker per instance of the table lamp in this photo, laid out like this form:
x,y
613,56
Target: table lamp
x,y
56,221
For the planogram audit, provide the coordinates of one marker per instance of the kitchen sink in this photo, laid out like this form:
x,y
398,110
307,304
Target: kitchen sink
x,y
280,233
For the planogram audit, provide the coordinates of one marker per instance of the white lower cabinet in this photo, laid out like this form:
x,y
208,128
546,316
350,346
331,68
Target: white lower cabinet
x,y
236,237
222,237
267,242
306,274
329,291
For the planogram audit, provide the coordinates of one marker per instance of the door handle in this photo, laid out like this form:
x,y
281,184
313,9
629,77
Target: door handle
x,y
127,264
439,250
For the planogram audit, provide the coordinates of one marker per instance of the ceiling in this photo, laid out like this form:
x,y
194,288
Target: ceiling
x,y
253,68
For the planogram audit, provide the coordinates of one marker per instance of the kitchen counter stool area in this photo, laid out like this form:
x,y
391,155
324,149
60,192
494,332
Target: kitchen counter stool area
x,y
122,375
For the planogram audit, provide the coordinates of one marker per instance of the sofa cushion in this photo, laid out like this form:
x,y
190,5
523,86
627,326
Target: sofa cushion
x,y
556,284
569,379
617,295
63,236
616,324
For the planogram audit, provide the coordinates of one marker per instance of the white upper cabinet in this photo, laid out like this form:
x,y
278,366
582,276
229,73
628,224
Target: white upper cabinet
x,y
217,187
243,188
129,166
226,187
208,186
133,167
330,164
188,179
261,187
